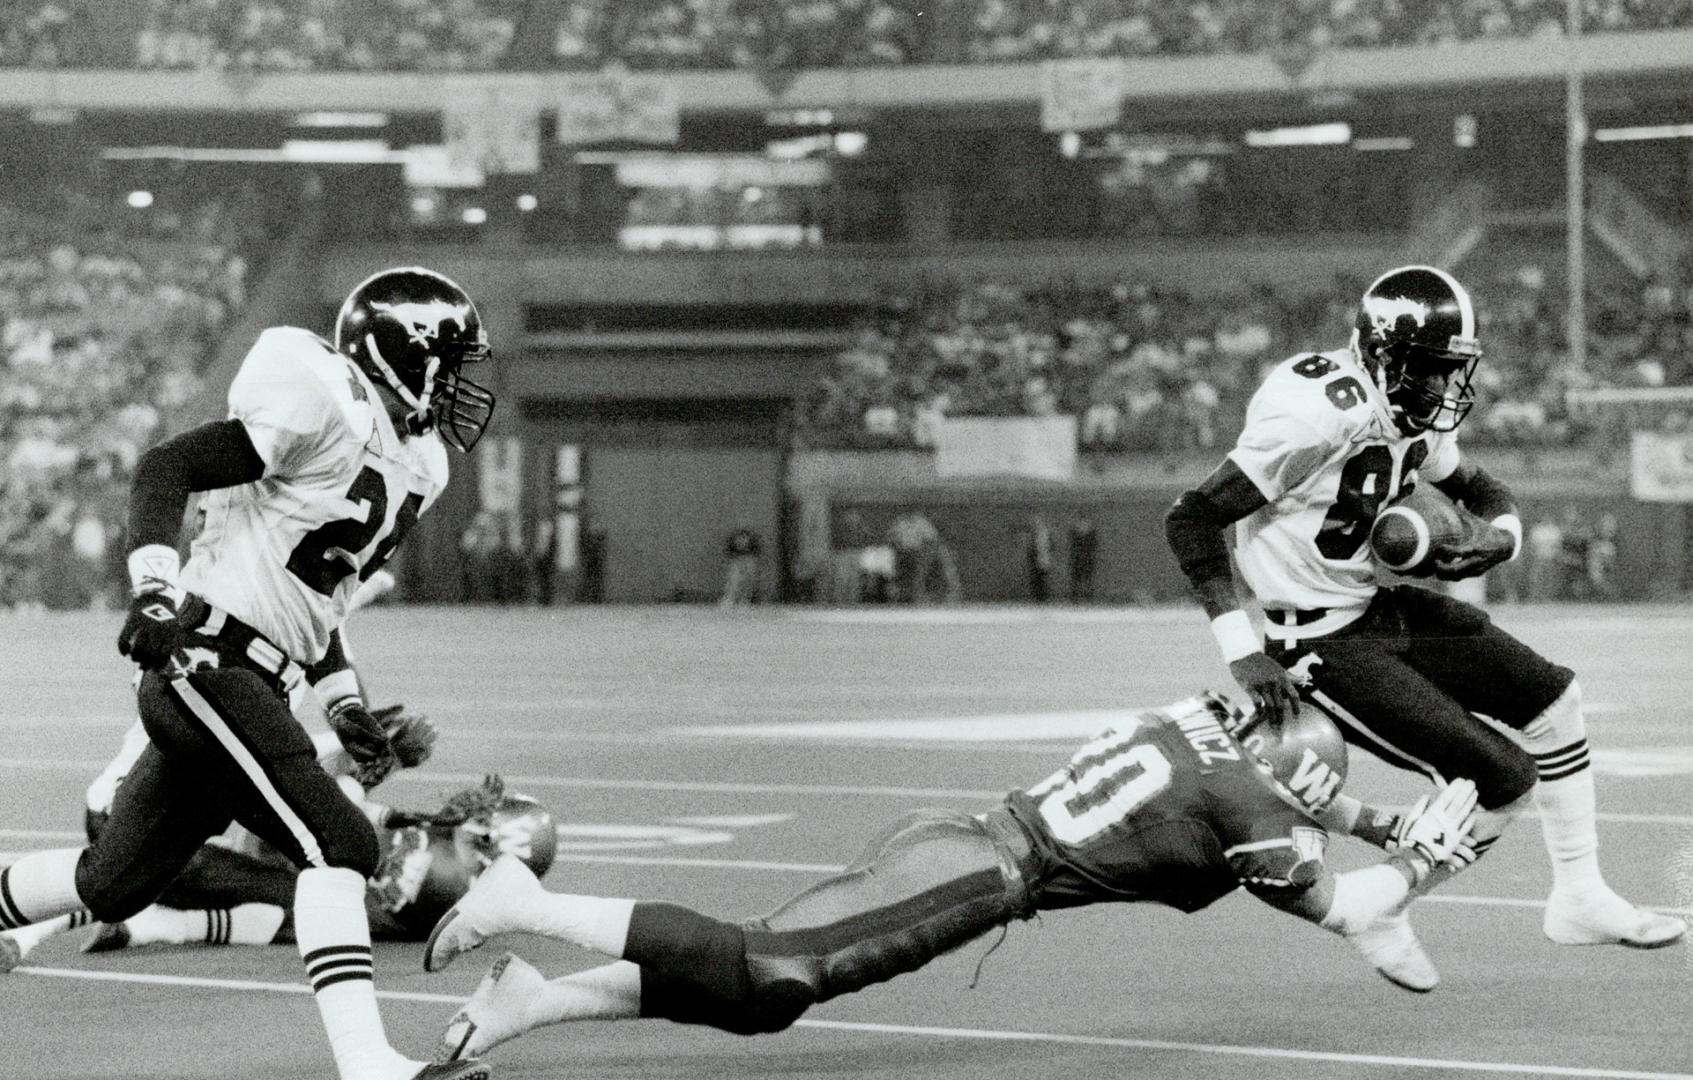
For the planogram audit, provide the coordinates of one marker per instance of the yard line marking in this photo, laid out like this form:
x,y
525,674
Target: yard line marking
x,y
978,1034
1453,1065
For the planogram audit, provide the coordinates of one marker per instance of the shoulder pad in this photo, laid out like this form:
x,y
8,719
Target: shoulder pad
x,y
295,376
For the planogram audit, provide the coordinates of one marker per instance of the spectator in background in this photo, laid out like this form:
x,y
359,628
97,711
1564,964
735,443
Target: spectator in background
x,y
590,562
543,557
1572,555
1602,558
1037,548
1545,559
740,580
846,584
1084,555
477,544
914,539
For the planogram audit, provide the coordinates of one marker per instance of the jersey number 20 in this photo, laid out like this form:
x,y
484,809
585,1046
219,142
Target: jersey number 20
x,y
1104,783
325,556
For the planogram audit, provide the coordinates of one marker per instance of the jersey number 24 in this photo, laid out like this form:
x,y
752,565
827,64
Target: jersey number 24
x,y
328,554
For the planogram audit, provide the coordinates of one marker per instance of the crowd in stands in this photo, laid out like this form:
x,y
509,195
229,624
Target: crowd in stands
x,y
1148,368
763,35
104,331
314,35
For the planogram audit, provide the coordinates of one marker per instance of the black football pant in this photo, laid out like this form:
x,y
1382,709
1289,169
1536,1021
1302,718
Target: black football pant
x,y
932,882
1405,680
225,747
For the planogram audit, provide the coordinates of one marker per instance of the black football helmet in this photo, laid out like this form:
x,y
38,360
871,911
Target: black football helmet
x,y
1416,333
412,330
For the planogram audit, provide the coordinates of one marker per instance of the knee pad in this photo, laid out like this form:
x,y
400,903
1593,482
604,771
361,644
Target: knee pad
x,y
1557,738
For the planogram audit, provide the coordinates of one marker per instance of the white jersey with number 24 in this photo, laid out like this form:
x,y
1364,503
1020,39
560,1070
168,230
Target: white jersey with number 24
x,y
285,554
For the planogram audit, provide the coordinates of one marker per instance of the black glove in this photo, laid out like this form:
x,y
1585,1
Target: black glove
x,y
151,633
1269,686
1485,546
411,734
473,804
364,740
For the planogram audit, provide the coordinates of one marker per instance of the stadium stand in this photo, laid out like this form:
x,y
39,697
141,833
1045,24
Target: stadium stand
x,y
409,35
108,322
1150,368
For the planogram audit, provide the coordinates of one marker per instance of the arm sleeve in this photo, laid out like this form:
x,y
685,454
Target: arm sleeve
x,y
1482,494
333,677
1194,528
215,455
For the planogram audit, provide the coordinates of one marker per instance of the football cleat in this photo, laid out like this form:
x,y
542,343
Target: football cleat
x,y
494,1013
11,953
454,1070
1392,946
1601,917
107,937
494,905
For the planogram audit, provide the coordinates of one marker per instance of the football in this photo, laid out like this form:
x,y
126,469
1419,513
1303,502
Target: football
x,y
1413,528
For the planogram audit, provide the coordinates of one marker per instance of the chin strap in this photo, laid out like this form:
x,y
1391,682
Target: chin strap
x,y
419,420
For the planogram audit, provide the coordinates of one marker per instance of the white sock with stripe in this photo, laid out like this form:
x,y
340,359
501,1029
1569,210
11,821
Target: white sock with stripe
x,y
39,886
28,937
334,940
1565,796
244,924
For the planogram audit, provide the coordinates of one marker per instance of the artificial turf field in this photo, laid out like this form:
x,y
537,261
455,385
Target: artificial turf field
x,y
727,759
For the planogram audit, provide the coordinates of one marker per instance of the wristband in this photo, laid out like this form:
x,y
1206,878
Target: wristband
x,y
1411,863
1512,524
336,689
1235,636
154,568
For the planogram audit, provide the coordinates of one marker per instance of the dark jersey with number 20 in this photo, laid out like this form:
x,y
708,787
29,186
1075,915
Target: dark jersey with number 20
x,y
1167,808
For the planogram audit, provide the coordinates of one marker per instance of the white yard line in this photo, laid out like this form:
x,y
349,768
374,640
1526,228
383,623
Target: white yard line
x,y
934,1032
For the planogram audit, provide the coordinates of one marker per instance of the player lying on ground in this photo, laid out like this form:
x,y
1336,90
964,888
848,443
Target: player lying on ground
x,y
428,862
1179,806
235,881
235,877
1329,439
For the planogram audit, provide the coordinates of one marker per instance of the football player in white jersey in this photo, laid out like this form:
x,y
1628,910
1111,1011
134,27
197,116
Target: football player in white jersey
x,y
1329,439
330,452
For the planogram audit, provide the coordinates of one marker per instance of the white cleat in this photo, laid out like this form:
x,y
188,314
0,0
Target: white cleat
x,y
494,905
1392,946
1601,917
494,1014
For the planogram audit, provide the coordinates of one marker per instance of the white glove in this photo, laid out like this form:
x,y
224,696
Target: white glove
x,y
1438,829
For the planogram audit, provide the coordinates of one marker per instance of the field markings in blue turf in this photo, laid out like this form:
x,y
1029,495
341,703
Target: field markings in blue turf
x,y
936,1032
